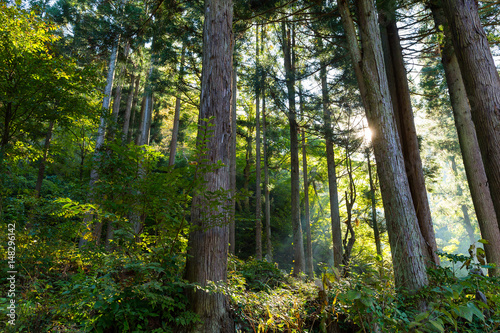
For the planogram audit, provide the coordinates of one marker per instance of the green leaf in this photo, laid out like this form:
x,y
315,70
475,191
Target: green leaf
x,y
484,241
464,312
475,310
353,294
437,324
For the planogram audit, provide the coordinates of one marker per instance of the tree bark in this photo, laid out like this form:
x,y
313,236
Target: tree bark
x,y
298,243
307,218
258,192
376,232
43,162
474,168
482,84
132,95
332,173
232,225
208,240
175,129
401,102
402,223
267,204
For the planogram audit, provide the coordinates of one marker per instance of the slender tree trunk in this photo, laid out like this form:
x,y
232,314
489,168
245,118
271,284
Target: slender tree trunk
x,y
469,146
402,223
208,240
332,173
130,133
298,243
468,225
43,162
307,219
482,84
132,95
350,198
269,245
232,225
175,129
258,195
376,232
101,134
246,172
401,102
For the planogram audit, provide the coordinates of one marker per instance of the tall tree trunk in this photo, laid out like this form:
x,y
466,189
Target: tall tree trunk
x,y
43,162
469,146
258,193
175,129
350,198
298,242
267,204
307,218
482,84
332,173
401,102
101,134
468,226
130,134
376,232
402,223
208,240
232,225
132,95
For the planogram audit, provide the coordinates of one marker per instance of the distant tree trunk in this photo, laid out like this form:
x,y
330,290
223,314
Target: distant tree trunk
x,y
307,218
175,129
482,84
146,114
269,246
208,239
101,134
332,174
246,172
402,223
258,193
376,232
469,146
401,102
232,225
468,225
130,134
43,162
350,199
132,95
298,243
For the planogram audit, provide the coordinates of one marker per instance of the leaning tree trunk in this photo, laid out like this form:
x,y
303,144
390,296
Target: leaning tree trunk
x,y
482,84
402,223
332,173
298,242
401,102
469,146
208,239
43,162
258,192
175,129
101,134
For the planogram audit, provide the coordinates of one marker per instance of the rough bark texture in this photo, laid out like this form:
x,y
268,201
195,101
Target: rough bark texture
x,y
403,230
258,192
482,84
332,173
469,146
208,240
298,242
177,113
267,209
401,102
43,162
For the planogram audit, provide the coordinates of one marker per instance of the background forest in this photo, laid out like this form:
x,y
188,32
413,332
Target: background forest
x,y
108,202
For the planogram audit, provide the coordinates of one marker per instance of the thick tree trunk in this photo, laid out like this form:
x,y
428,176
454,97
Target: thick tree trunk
x,y
482,84
401,102
208,240
307,218
43,162
175,129
258,192
469,146
332,173
101,134
402,223
298,242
